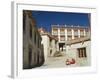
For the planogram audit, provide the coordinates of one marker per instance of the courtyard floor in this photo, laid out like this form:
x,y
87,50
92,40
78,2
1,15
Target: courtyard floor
x,y
56,62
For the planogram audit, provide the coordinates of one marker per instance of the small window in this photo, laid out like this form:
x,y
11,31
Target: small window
x,y
82,52
30,31
76,32
62,38
69,38
24,21
30,57
75,37
35,37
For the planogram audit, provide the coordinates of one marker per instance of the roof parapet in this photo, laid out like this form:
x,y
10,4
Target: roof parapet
x,y
68,26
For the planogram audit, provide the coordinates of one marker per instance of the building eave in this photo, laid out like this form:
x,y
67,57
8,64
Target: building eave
x,y
79,40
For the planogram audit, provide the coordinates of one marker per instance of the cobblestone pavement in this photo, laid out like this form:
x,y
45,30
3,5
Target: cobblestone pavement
x,y
56,62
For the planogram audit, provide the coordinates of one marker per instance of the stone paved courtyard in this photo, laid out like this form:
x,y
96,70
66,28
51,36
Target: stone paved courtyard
x,y
56,62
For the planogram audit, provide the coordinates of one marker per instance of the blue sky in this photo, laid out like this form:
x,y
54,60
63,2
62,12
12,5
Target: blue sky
x,y
45,19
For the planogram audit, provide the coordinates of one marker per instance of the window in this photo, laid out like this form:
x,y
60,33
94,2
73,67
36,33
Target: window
x,y
87,32
62,31
50,43
62,38
69,38
24,21
69,32
82,52
81,32
55,31
34,37
81,36
76,32
30,31
38,43
76,37
30,57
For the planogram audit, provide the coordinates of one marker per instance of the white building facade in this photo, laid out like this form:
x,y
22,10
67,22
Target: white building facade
x,y
66,33
79,50
49,42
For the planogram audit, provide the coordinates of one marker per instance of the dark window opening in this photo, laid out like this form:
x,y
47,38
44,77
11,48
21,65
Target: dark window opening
x,y
61,46
82,52
34,37
24,21
30,31
38,43
30,57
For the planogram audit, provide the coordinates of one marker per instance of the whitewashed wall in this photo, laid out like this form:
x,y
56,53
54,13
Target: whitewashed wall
x,y
72,52
53,47
45,42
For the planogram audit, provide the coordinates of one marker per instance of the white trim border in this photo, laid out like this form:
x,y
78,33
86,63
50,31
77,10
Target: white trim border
x,y
16,69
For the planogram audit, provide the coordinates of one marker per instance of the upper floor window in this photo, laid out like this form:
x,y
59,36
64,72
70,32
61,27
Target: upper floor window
x,y
69,32
75,36
55,31
62,38
30,31
62,31
50,43
87,32
24,21
35,37
69,38
75,32
82,32
82,52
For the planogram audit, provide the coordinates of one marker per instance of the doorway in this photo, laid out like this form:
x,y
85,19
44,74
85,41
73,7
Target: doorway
x,y
30,57
61,46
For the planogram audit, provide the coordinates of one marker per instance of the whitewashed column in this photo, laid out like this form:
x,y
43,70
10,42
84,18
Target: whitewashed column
x,y
58,34
57,46
52,31
72,33
78,33
84,32
66,34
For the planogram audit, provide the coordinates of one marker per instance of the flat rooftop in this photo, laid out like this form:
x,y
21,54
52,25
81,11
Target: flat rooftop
x,y
69,26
